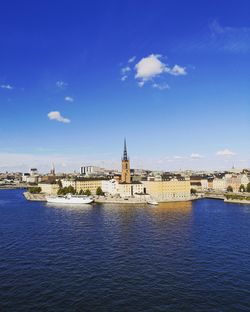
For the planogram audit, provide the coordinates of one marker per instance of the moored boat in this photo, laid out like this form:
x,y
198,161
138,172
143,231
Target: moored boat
x,y
70,199
152,202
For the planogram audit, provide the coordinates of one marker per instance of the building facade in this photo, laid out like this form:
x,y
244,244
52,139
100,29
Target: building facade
x,y
49,188
172,190
88,184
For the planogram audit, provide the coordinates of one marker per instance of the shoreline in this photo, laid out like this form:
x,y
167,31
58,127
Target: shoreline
x,y
133,201
237,201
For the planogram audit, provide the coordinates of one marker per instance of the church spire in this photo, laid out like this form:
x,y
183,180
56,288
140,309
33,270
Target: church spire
x,y
125,153
125,178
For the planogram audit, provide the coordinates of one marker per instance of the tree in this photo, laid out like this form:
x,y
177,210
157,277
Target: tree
x,y
71,190
60,191
248,187
229,188
87,192
193,191
35,190
66,190
60,183
242,188
99,191
81,192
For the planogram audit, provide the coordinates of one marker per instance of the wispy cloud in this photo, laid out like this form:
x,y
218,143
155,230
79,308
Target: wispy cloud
x,y
55,115
61,84
196,156
7,86
125,69
228,38
160,86
217,37
125,72
177,157
176,70
226,152
69,99
132,59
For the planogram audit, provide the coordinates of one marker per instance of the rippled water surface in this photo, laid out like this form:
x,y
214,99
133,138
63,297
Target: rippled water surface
x,y
173,257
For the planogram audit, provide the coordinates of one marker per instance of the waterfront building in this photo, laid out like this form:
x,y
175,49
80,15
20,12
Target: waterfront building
x,y
68,182
25,177
49,188
235,181
110,187
127,187
90,184
210,183
130,189
204,184
219,184
168,190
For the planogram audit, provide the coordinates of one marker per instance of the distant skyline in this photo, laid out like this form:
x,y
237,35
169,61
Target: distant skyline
x,y
76,77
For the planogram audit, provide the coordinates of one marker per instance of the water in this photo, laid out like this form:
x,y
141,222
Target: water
x,y
174,257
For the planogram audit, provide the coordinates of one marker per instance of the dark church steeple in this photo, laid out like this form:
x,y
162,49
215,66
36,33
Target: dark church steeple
x,y
125,153
126,178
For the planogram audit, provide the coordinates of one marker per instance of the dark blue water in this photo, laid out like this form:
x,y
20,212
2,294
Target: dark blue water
x,y
174,257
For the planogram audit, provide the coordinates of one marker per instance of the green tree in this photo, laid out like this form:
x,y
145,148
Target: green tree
x,y
229,188
87,192
35,190
242,188
99,191
81,192
60,191
71,190
66,190
60,183
248,187
193,191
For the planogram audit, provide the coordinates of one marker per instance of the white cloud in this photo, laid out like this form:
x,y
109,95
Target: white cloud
x,y
6,86
177,70
178,157
123,78
231,39
160,86
196,156
226,152
69,99
149,67
132,59
125,70
55,115
61,84
141,84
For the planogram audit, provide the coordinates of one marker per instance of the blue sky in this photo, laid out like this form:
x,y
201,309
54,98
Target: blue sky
x,y
78,76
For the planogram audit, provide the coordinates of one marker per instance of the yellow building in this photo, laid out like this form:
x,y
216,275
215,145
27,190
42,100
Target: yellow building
x,y
170,190
88,184
49,188
130,189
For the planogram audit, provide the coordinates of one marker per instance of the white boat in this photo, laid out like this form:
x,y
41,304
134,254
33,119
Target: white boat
x,y
70,199
152,202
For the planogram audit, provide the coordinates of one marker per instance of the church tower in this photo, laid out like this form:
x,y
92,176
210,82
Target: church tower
x,y
126,178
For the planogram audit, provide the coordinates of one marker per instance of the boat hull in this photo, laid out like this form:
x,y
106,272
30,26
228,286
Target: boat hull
x,y
71,200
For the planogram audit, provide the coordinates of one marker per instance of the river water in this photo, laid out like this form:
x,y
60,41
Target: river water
x,y
173,257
